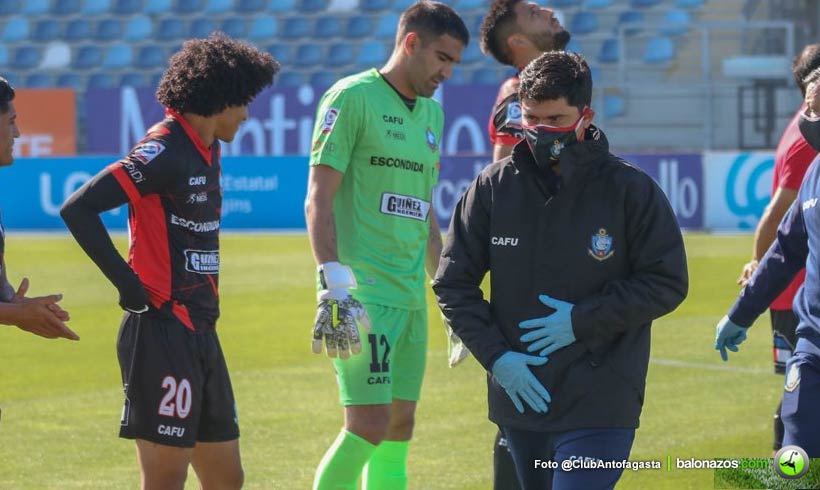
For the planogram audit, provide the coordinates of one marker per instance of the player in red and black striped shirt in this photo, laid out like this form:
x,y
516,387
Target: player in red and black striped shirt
x,y
179,403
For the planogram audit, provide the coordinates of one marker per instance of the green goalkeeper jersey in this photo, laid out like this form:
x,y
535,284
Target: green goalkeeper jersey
x,y
389,156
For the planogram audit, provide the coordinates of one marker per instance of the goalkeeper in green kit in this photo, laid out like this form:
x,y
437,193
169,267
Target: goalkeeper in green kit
x,y
373,231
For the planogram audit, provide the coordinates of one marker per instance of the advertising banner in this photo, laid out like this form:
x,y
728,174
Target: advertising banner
x,y
738,186
47,122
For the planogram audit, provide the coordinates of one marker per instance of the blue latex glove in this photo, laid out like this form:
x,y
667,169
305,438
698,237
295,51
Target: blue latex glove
x,y
512,372
551,332
729,336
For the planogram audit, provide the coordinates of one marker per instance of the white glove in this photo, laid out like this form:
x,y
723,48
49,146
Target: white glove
x,y
456,350
342,336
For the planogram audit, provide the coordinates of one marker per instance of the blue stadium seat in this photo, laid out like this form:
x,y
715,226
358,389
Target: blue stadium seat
x,y
401,5
309,55
471,54
584,22
150,57
311,5
118,55
86,57
101,80
127,7
234,27
676,22
283,6
689,4
290,78
561,4
4,55
371,53
614,106
609,51
340,54
15,30
70,80
386,28
644,4
153,82
188,6
47,30
486,76
374,5
35,7
202,27
659,50
10,7
218,6
38,80
78,30
96,7
296,27
138,28
26,57
281,52
171,29
328,26
462,5
323,79
598,4
359,26
132,79
575,46
65,7
157,6
108,30
262,27
250,6
631,17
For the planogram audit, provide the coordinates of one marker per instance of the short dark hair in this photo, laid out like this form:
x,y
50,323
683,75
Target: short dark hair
x,y
6,95
557,74
496,27
804,63
432,20
209,75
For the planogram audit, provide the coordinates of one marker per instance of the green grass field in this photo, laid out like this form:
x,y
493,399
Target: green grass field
x,y
61,401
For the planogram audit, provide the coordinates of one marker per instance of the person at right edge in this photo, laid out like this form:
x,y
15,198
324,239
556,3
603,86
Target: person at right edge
x,y
792,158
584,252
797,245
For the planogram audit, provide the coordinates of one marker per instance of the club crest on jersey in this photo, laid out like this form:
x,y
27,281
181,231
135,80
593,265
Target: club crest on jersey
x,y
431,140
147,151
330,119
792,378
514,113
601,246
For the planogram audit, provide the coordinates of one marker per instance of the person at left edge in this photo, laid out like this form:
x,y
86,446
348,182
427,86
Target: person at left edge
x,y
179,403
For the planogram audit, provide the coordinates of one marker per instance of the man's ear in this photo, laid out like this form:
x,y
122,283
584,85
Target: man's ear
x,y
411,43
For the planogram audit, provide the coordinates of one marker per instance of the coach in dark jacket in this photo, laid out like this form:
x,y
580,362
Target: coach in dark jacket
x,y
584,252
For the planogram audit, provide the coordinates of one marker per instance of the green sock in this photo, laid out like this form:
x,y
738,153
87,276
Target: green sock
x,y
387,468
342,464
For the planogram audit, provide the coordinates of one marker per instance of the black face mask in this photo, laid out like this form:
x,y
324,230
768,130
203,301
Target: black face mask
x,y
810,129
546,142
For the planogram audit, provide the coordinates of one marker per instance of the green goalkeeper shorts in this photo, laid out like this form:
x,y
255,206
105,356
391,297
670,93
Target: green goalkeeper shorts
x,y
391,364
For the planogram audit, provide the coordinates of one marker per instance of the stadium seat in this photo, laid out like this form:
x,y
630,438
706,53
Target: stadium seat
x,y
375,6
171,29
283,6
401,5
371,53
108,30
323,79
150,57
689,4
631,18
188,6
86,57
202,27
584,22
262,27
250,6
218,7
659,50
614,106
290,78
562,4
38,80
328,26
464,5
127,7
676,22
309,54
598,4
132,79
386,28
609,51
138,28
101,80
35,7
281,52
644,4
157,7
340,54
359,27
575,46
47,30
15,30
154,80
296,27
25,57
118,55
471,54
4,55
10,7
234,27
56,56
64,7
95,7
311,5
70,80
78,30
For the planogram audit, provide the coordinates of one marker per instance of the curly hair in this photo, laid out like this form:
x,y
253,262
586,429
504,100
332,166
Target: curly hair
x,y
806,62
6,95
209,75
496,27
557,74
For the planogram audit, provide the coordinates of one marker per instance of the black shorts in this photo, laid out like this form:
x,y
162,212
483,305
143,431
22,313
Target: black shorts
x,y
176,383
784,324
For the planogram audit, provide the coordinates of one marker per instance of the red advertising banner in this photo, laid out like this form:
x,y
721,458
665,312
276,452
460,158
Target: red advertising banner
x,y
47,119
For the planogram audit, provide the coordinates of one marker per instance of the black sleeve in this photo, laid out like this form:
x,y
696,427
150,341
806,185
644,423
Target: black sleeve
x,y
658,281
81,213
463,265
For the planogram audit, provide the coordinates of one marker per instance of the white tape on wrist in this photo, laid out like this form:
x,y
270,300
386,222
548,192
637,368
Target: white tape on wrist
x,y
334,275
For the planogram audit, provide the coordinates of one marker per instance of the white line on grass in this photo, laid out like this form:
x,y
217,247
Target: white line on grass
x,y
713,367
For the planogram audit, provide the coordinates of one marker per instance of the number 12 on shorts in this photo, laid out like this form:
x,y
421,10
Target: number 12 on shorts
x,y
375,365
177,399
